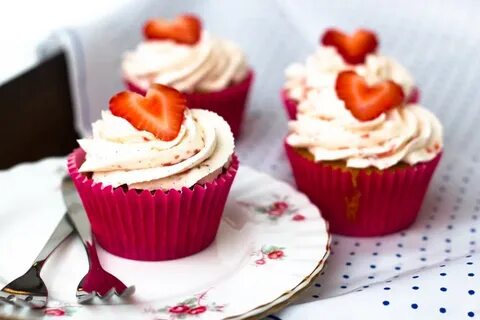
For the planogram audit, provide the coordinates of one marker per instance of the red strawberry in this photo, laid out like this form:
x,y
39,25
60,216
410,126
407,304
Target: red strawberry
x,y
367,103
183,29
160,112
353,48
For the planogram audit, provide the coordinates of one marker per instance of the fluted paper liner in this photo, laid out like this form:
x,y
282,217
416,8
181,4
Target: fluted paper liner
x,y
363,202
158,225
290,104
230,103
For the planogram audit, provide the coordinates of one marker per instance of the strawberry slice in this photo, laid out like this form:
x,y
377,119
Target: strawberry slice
x,y
364,102
352,48
184,29
160,112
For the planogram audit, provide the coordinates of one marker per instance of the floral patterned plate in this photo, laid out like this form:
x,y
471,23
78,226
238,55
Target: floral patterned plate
x,y
271,244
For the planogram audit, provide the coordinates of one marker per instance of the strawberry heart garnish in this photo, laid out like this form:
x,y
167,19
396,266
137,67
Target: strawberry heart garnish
x,y
352,48
364,102
160,112
184,29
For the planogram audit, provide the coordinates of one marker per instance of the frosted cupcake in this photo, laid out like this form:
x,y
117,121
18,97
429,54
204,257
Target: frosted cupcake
x,y
212,73
363,156
155,176
339,52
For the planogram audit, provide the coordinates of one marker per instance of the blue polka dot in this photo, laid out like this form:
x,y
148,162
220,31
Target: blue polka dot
x,y
428,226
386,288
448,250
473,230
397,268
375,253
373,266
443,274
386,303
348,263
423,249
469,256
378,244
315,296
371,277
414,306
415,277
471,292
424,238
442,265
471,274
423,259
318,285
357,244
472,242
442,310
448,240
450,227
343,287
400,245
388,281
415,288
335,242
352,253
365,287
469,263
443,289
345,276
471,314
398,255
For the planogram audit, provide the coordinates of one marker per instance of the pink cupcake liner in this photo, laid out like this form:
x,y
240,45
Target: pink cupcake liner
x,y
230,102
152,226
363,202
291,104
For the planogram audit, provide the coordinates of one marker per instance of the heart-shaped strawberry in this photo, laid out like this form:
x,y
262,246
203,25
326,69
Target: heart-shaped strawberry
x,y
364,102
160,112
353,48
184,29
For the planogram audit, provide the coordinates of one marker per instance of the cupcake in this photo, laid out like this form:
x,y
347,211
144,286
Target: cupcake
x,y
339,52
211,72
155,176
363,155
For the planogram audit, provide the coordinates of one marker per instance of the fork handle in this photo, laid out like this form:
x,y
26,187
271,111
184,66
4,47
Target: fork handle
x,y
61,232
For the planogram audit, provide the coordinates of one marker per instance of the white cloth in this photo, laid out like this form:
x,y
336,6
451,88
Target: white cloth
x,y
437,41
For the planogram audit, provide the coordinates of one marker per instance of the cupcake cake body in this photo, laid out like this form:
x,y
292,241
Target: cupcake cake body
x,y
320,70
155,192
363,156
212,72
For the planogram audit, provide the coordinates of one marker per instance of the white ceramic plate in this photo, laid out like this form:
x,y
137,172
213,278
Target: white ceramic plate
x,y
272,242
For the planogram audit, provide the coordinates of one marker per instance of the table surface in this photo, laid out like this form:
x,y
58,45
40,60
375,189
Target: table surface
x,y
427,271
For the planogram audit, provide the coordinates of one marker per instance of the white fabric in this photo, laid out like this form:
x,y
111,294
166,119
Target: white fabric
x,y
437,41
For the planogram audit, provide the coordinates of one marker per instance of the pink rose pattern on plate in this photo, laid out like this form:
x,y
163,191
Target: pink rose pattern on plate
x,y
189,307
59,311
267,253
278,208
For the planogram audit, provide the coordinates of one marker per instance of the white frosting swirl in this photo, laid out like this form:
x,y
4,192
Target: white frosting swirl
x,y
209,65
120,154
321,69
329,131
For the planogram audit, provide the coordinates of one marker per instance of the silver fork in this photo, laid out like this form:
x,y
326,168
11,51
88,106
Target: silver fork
x,y
97,281
29,290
